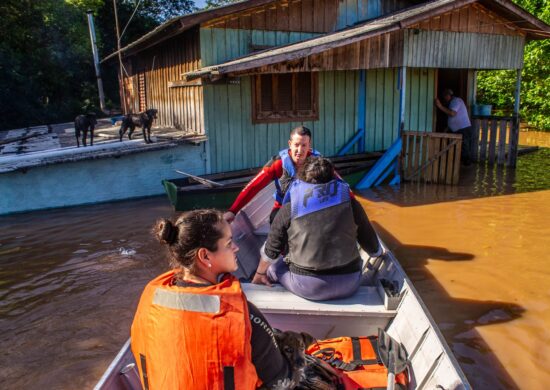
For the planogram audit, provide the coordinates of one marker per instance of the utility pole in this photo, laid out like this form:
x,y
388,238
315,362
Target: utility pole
x,y
125,111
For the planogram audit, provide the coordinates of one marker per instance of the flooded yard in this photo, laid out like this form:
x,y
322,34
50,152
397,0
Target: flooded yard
x,y
477,253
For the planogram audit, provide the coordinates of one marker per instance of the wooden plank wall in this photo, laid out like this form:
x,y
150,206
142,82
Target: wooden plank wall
x,y
179,107
295,15
472,18
382,105
443,49
220,45
382,51
236,143
351,12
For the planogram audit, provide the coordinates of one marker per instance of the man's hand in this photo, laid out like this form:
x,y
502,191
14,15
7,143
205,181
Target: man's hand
x,y
438,103
261,279
229,216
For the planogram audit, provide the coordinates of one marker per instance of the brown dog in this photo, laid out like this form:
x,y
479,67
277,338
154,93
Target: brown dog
x,y
293,346
143,120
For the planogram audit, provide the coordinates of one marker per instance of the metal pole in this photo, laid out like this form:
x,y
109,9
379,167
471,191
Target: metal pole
x,y
96,62
120,60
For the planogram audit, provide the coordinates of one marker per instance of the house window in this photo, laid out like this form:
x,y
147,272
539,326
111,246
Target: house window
x,y
285,97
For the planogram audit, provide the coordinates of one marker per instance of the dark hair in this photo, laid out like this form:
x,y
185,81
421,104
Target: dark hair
x,y
448,92
300,130
316,170
192,230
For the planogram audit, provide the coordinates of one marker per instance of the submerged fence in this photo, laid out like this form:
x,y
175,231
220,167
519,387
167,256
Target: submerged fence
x,y
495,139
431,157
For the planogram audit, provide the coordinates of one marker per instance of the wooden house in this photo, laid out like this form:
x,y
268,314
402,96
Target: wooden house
x,y
361,70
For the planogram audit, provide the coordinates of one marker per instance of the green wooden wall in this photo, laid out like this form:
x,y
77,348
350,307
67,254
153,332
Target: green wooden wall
x,y
236,143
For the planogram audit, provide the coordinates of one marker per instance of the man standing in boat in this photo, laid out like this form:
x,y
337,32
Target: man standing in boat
x,y
281,168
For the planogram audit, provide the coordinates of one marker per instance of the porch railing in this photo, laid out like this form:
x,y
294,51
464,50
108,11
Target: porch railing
x,y
431,157
495,139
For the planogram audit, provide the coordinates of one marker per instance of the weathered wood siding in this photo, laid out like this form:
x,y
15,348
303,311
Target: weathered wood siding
x,y
472,18
351,12
296,15
382,105
219,45
236,143
444,49
320,16
179,107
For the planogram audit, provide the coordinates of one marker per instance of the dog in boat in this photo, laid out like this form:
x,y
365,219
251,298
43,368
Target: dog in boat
x,y
293,346
143,120
83,124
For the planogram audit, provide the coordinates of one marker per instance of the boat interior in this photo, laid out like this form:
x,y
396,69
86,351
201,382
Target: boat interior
x,y
386,300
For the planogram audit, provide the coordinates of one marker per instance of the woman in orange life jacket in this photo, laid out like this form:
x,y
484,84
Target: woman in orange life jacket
x,y
194,328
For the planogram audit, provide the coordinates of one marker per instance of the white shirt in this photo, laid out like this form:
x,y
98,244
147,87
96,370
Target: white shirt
x,y
461,119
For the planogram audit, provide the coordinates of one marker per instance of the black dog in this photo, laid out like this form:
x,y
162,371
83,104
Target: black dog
x,y
82,124
143,119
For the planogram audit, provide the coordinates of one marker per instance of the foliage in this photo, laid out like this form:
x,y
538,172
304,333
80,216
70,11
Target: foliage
x,y
218,3
497,87
46,65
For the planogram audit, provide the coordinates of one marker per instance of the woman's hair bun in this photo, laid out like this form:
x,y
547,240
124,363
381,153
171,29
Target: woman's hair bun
x,y
166,231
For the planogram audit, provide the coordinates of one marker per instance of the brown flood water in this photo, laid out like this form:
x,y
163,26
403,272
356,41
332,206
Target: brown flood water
x,y
478,255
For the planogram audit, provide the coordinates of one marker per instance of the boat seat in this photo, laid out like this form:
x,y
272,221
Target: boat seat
x,y
359,315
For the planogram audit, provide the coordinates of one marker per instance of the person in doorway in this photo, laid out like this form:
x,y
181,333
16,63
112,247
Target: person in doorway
x,y
281,168
193,328
321,222
458,121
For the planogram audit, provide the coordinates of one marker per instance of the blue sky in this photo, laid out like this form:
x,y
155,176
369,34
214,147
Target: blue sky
x,y
200,3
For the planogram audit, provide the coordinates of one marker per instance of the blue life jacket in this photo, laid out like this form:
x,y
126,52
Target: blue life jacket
x,y
322,234
289,173
308,198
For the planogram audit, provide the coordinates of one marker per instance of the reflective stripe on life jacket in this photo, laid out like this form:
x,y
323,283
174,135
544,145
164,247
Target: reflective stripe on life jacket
x,y
193,337
357,360
289,173
308,198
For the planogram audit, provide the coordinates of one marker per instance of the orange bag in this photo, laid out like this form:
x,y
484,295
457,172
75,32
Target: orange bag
x,y
357,360
193,337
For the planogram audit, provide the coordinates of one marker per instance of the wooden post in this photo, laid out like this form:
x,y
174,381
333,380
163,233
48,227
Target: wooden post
x,y
120,59
514,129
402,84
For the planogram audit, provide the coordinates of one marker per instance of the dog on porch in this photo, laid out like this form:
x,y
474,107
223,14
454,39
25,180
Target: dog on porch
x,y
143,120
82,124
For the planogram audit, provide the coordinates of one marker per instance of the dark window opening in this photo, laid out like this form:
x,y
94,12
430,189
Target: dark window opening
x,y
285,97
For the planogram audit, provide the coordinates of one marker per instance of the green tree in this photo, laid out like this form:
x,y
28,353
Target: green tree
x,y
535,91
46,69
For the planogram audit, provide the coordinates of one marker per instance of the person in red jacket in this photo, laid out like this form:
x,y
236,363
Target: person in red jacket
x,y
281,168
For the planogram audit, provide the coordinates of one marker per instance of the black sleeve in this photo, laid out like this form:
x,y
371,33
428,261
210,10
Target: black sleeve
x,y
366,236
277,239
270,364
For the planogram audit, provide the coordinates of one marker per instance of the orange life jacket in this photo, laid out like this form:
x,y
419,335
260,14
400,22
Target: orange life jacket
x,y
193,337
357,360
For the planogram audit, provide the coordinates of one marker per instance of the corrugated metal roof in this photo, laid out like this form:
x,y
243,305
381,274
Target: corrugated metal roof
x,y
375,27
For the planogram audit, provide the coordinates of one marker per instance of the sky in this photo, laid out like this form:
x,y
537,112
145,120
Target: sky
x,y
200,3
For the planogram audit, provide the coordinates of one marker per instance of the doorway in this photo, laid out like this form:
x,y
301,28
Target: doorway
x,y
455,79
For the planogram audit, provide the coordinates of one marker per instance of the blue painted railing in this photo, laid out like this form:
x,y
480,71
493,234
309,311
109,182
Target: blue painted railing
x,y
383,167
358,138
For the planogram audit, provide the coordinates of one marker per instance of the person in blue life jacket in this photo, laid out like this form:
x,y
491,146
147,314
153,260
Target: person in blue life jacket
x,y
281,168
321,223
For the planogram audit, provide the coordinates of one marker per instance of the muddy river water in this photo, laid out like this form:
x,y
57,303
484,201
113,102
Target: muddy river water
x,y
477,253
